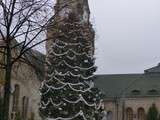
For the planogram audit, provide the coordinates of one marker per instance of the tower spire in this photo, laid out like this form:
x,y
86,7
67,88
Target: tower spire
x,y
79,7
65,7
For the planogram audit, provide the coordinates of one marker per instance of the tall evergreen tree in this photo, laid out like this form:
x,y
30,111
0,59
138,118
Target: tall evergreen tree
x,y
152,113
68,92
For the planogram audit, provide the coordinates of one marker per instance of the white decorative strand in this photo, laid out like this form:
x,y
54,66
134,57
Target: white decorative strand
x,y
68,72
70,50
79,100
76,67
80,113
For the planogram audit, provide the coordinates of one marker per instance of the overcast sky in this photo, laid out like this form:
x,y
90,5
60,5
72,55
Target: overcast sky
x,y
128,35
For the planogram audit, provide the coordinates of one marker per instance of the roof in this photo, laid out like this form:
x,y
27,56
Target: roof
x,y
155,69
129,85
116,85
36,60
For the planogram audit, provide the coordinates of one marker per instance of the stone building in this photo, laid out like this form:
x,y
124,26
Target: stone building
x,y
129,96
26,79
27,75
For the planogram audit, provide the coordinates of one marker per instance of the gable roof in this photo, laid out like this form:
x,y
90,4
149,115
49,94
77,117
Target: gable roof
x,y
129,85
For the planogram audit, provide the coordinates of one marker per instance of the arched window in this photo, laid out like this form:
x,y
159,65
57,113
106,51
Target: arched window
x,y
25,101
109,115
16,98
129,114
141,114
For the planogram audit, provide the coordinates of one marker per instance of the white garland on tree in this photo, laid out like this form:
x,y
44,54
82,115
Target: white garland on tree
x,y
65,48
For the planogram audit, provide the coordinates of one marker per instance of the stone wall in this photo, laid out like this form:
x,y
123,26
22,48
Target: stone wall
x,y
25,99
118,107
25,77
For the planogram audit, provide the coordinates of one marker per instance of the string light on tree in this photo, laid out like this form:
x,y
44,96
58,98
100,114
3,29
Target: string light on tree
x,y
68,93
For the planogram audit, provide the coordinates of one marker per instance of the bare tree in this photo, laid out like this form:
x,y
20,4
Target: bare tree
x,y
25,21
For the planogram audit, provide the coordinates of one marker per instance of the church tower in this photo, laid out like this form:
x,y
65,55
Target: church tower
x,y
62,9
79,7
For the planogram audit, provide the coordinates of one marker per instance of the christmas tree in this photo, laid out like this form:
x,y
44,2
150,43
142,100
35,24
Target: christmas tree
x,y
68,92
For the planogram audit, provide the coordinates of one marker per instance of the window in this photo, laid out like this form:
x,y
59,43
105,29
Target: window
x,y
16,98
141,114
25,101
129,114
136,92
152,92
109,115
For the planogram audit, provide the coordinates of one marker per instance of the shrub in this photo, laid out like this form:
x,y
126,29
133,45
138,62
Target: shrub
x,y
152,113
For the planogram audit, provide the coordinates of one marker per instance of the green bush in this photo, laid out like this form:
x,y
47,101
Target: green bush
x,y
152,113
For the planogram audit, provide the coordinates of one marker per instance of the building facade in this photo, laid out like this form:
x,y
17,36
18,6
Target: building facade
x,y
25,82
27,75
129,96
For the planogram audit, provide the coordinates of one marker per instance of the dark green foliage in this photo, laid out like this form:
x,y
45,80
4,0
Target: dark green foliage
x,y
1,107
152,113
68,91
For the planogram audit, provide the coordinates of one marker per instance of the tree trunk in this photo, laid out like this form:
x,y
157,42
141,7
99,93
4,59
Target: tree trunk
x,y
7,84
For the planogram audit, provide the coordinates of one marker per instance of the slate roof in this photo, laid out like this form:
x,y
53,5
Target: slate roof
x,y
155,69
129,85
116,85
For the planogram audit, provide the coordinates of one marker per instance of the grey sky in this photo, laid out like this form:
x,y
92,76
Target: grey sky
x,y
128,35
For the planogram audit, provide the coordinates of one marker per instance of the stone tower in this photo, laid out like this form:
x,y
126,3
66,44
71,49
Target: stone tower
x,y
65,7
79,7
